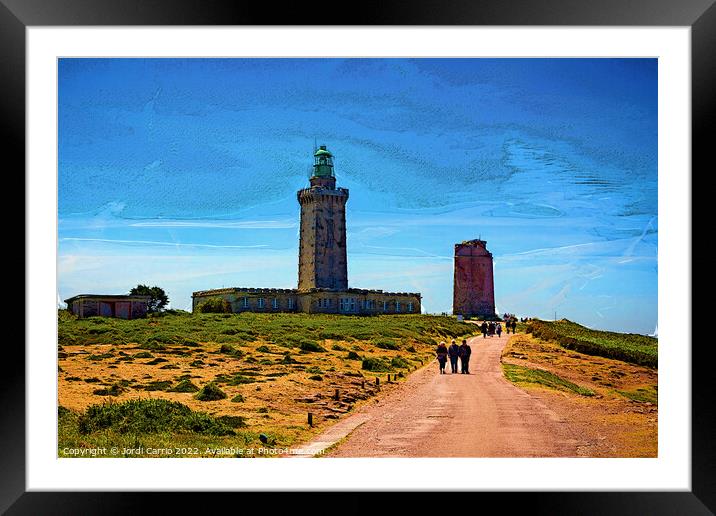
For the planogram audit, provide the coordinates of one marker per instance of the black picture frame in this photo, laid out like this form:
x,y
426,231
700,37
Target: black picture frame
x,y
700,15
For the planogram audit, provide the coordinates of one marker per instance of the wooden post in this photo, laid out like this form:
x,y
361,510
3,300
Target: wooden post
x,y
362,384
377,381
310,419
337,395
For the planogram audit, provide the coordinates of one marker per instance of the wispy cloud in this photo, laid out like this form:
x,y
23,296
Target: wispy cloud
x,y
148,242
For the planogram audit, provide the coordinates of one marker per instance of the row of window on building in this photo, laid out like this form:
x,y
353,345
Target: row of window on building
x,y
261,303
349,304
345,304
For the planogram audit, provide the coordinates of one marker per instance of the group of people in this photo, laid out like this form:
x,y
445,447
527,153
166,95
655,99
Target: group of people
x,y
493,328
454,352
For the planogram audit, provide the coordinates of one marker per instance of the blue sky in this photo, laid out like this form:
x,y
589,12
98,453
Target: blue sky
x,y
183,173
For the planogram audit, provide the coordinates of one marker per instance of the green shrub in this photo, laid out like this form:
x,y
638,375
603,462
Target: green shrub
x,y
145,416
376,365
233,421
184,385
337,347
352,355
215,305
210,392
387,344
316,377
263,349
312,346
314,370
238,399
287,359
114,390
400,363
158,386
143,354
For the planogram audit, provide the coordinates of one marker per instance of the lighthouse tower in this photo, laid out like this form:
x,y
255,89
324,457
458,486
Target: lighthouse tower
x,y
322,261
473,286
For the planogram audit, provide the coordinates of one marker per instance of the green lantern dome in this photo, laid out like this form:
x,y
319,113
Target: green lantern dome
x,y
323,163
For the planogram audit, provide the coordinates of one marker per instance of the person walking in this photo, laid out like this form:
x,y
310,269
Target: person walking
x,y
499,330
442,353
453,352
491,329
514,325
483,328
465,353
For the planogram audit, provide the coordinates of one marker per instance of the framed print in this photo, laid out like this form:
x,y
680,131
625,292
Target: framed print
x,y
181,161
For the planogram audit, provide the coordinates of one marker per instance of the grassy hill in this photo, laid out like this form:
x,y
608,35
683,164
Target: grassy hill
x,y
283,329
628,347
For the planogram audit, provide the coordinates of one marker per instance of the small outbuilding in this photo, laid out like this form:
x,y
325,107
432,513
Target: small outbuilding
x,y
122,307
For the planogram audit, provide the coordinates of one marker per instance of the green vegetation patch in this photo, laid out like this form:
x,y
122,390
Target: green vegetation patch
x,y
310,345
627,347
376,365
520,374
113,390
162,385
400,363
642,395
387,344
184,385
149,416
210,392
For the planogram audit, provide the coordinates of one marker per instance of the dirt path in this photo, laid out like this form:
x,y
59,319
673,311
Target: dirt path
x,y
454,415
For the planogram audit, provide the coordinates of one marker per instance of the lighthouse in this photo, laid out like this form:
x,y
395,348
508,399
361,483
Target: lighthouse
x,y
322,259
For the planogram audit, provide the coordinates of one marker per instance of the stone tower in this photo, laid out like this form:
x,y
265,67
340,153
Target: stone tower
x,y
322,261
473,287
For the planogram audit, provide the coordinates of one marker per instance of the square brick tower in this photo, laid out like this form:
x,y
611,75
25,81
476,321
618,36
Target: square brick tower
x,y
473,287
322,261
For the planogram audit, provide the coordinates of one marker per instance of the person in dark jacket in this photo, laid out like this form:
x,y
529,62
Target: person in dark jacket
x,y
514,325
464,353
483,328
453,352
491,329
442,353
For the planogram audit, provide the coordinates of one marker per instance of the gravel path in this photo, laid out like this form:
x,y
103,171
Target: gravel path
x,y
454,415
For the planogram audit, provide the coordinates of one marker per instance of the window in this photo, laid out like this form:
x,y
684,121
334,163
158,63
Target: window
x,y
343,304
274,303
353,304
410,307
397,306
385,306
324,302
261,302
245,302
290,302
